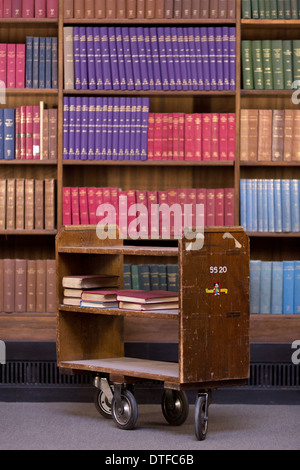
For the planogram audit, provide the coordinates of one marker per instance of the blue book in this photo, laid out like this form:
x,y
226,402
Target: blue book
x,y
106,63
137,77
205,57
154,281
72,117
1,134
91,128
35,62
149,60
84,128
198,52
288,287
286,206
271,208
254,205
277,205
83,58
92,78
42,63
9,134
98,59
232,58
115,128
212,57
109,135
121,58
145,127
249,202
155,59
98,129
265,287
144,277
192,53
255,270
297,287
121,139
260,205
77,137
219,57
243,204
162,277
48,66
29,62
265,205
104,129
66,111
170,58
54,63
186,41
225,47
294,193
163,58
277,287
142,58
128,59
182,59
77,68
115,78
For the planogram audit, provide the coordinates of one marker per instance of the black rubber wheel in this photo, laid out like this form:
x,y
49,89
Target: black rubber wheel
x,y
175,407
201,423
103,405
125,415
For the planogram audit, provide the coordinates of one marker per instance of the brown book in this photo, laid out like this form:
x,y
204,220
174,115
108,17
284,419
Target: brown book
x,y
223,9
213,9
121,9
140,14
253,134
78,9
169,9
39,204
49,204
2,204
296,136
52,123
244,135
150,9
1,285
204,9
51,286
20,285
195,9
131,9
110,7
187,9
100,9
288,134
69,82
11,204
31,286
20,207
277,135
29,204
9,285
68,9
41,285
231,9
46,134
159,9
264,135
89,9
177,9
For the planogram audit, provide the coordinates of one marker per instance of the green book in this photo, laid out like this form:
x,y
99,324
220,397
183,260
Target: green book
x,y
277,63
172,277
246,9
261,9
154,281
294,9
287,51
247,65
274,10
127,276
268,9
254,8
296,60
267,64
144,276
162,277
258,74
135,277
280,6
287,9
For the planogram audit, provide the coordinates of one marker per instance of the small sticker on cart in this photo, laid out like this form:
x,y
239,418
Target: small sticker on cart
x,y
216,290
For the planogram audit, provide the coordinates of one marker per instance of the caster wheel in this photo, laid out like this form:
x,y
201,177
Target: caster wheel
x,y
175,407
125,413
103,405
201,418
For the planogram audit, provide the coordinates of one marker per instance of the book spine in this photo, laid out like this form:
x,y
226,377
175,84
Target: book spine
x,y
9,285
288,287
229,207
264,135
84,128
258,74
247,65
3,65
75,206
52,122
223,136
78,9
220,207
286,205
68,9
40,286
52,8
277,63
29,62
294,193
255,283
28,9
48,72
211,207
49,204
83,58
29,132
277,287
267,64
246,9
51,286
20,285
20,208
11,65
92,80
9,134
288,134
100,10
42,63
16,9
67,215
198,136
296,136
215,136
163,58
278,135
265,287
69,81
287,51
207,135
151,136
111,9
277,206
92,208
35,62
297,287
83,206
296,59
36,133
89,9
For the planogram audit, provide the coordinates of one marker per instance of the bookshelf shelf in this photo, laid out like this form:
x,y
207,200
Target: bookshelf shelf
x,y
163,315
29,162
266,93
149,93
29,232
276,164
121,250
274,235
127,22
270,24
29,21
147,163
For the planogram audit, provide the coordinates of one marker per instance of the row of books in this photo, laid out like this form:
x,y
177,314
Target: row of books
x,y
270,135
271,9
151,277
28,133
150,58
275,287
27,204
28,8
149,9
270,205
42,62
80,206
270,64
27,286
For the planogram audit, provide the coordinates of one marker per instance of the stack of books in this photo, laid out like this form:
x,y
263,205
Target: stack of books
x,y
75,286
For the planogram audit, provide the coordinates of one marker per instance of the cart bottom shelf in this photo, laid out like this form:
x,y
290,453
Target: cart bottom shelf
x,y
128,366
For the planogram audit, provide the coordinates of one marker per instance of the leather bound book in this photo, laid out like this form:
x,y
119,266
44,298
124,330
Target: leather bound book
x,y
9,285
11,204
195,9
50,204
1,285
121,9
20,285
244,135
40,8
253,134
20,66
159,9
89,9
29,204
187,9
169,9
204,9
16,8
231,9
2,204
296,136
29,132
28,9
78,9
52,134
68,9
111,9
264,135
140,14
69,81
288,135
277,135
52,8
223,9
31,286
36,148
229,207
220,219
51,286
100,9
46,134
214,9
177,9
39,204
67,215
41,285
150,9
20,206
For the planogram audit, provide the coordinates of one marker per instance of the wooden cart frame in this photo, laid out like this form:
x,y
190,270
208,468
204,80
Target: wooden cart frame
x,y
213,322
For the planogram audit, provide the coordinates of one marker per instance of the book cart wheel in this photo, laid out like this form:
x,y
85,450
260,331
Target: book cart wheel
x,y
124,408
175,406
201,416
103,397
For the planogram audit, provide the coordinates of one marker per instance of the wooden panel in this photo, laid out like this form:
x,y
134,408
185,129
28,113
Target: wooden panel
x,y
27,327
274,328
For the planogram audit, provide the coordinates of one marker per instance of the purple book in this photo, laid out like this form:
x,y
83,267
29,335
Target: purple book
x,y
121,58
66,112
115,128
142,57
98,128
212,57
145,125
205,57
127,129
176,58
83,58
72,113
163,58
149,60
77,74
138,129
155,59
194,71
225,48
170,58
219,57
84,128
133,108
135,59
182,59
232,58
98,58
198,52
115,78
121,139
109,135
77,147
91,128
92,79
187,57
104,129
107,81
127,59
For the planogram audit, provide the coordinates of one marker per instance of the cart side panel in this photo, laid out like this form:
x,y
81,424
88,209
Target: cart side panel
x,y
214,320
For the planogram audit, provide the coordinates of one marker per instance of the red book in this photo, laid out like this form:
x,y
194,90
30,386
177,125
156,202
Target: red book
x,y
17,8
23,133
198,136
210,208
229,207
192,199
175,136
153,214
151,136
170,136
29,132
83,206
114,201
20,66
181,137
123,213
3,68
40,9
141,199
67,216
165,127
231,136
158,126
36,140
223,136
162,199
11,66
206,136
215,136
106,195
126,218
99,200
219,203
142,296
7,9
75,206
28,9
201,199
173,199
182,200
92,205
189,137
1,8
18,134
52,9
